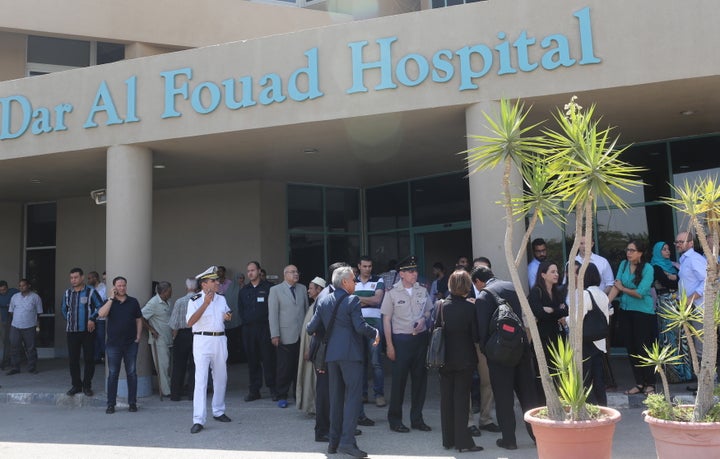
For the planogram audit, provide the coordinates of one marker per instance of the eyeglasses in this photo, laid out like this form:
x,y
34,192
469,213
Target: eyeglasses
x,y
293,272
629,250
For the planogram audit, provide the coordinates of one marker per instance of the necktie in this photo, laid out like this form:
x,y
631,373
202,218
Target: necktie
x,y
292,290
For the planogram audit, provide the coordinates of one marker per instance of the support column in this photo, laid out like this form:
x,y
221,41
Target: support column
x,y
487,216
129,238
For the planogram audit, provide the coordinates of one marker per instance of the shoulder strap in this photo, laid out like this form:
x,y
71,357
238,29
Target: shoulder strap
x,y
334,316
594,304
497,299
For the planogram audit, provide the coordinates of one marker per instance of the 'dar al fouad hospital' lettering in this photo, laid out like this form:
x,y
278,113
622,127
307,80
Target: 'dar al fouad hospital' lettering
x,y
441,67
182,92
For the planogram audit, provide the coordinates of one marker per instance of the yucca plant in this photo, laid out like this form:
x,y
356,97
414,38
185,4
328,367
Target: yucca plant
x,y
700,202
659,357
571,388
578,164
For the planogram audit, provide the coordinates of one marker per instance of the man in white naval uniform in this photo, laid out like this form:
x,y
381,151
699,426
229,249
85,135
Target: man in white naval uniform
x,y
206,313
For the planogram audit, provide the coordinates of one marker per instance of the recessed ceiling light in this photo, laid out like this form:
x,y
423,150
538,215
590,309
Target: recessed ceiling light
x,y
311,151
159,166
35,180
687,112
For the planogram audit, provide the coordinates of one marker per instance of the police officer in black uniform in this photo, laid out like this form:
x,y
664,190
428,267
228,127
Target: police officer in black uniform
x,y
253,309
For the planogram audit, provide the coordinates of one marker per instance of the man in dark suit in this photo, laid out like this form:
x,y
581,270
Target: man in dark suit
x,y
344,359
505,380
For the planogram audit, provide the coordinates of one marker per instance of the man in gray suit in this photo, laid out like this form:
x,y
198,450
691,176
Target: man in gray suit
x,y
287,304
344,358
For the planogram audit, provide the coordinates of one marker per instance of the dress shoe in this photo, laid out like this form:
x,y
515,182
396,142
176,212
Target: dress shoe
x,y
282,403
88,392
33,371
322,438
14,371
352,451
422,426
74,390
380,401
507,445
251,397
110,410
399,428
132,408
474,431
332,449
275,397
358,432
492,427
222,418
365,421
470,450
196,428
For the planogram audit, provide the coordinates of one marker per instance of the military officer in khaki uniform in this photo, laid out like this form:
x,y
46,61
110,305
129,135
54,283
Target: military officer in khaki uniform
x,y
406,311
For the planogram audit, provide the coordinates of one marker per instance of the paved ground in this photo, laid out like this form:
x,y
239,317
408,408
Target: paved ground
x,y
38,419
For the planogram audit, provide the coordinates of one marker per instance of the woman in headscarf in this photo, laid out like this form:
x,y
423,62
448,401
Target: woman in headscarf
x,y
666,279
666,285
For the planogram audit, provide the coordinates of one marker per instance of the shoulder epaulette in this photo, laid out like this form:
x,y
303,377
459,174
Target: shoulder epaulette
x,y
196,296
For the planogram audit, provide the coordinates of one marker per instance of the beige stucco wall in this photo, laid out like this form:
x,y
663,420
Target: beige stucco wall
x,y
185,24
227,224
12,55
640,60
11,240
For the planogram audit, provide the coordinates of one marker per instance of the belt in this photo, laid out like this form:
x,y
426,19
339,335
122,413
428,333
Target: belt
x,y
209,333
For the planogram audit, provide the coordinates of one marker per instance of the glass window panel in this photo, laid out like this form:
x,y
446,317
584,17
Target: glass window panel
x,y
109,52
305,208
58,51
692,155
40,271
656,176
616,227
439,200
343,248
387,249
387,207
41,220
308,254
342,210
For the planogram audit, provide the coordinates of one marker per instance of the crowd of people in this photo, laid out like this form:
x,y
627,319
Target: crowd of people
x,y
363,318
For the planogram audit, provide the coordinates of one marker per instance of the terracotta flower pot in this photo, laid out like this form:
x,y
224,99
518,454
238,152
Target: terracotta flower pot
x,y
574,439
675,439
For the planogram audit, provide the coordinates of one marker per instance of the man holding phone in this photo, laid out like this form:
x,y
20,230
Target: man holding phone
x,y
124,328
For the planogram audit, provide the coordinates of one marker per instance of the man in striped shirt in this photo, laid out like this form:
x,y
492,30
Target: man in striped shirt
x,y
80,306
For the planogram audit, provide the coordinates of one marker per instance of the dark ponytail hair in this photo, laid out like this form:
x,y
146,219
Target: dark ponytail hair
x,y
640,246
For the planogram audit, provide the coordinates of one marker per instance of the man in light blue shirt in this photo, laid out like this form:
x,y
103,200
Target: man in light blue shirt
x,y
25,307
693,269
692,274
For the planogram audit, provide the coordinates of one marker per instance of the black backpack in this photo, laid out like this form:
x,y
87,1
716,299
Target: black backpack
x,y
507,340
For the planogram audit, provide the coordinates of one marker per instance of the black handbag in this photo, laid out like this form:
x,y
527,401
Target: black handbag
x,y
436,350
595,324
320,352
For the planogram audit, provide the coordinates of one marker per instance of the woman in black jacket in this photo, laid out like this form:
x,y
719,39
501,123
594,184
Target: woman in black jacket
x,y
547,302
457,317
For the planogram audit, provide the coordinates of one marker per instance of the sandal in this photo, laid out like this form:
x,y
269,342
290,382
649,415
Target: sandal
x,y
638,389
649,390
